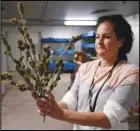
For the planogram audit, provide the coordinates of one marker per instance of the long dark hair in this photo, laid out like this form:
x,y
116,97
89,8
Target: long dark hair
x,y
123,31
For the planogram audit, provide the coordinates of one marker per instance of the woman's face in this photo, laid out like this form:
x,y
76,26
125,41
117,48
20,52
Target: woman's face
x,y
106,42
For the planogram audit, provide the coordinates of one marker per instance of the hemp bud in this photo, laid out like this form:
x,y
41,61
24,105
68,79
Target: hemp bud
x,y
20,42
33,46
48,54
26,34
2,35
8,48
54,84
20,30
46,73
20,8
46,83
28,70
22,48
32,64
20,84
5,42
3,77
69,46
39,57
23,88
61,62
13,83
17,61
14,21
22,73
33,51
25,28
46,48
17,68
9,76
27,46
28,54
58,78
30,40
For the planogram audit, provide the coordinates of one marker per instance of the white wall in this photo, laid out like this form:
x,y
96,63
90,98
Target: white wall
x,y
53,31
3,60
133,57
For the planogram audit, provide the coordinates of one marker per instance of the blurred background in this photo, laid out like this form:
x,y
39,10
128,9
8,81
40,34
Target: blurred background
x,y
49,23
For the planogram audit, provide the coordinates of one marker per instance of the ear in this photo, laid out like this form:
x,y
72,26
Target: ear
x,y
120,43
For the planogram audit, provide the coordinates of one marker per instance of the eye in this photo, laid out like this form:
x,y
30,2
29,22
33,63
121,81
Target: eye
x,y
107,37
97,37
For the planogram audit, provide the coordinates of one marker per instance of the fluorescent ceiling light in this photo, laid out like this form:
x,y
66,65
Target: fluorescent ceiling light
x,y
79,22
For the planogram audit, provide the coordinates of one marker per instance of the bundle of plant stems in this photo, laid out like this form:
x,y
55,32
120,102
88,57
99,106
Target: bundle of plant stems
x,y
37,78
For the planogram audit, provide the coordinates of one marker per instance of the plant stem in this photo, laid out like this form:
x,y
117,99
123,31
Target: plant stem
x,y
43,118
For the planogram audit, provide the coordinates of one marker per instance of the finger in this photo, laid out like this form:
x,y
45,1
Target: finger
x,y
44,104
50,95
40,104
41,113
43,100
42,109
45,110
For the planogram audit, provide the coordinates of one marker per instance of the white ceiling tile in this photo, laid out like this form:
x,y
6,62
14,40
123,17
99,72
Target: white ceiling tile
x,y
55,12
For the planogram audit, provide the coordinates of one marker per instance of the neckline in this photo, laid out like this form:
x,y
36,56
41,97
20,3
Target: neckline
x,y
99,68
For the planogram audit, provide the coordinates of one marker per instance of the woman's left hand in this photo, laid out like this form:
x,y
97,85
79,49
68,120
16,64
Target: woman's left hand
x,y
49,107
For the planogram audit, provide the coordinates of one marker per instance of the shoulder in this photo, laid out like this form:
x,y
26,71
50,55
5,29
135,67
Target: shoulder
x,y
128,71
127,67
87,66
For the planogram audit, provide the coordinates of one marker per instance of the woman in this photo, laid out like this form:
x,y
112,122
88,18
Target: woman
x,y
104,90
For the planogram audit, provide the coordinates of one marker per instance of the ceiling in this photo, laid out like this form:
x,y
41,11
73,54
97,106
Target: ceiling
x,y
56,12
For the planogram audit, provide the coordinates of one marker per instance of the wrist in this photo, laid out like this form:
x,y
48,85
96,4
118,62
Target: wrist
x,y
62,114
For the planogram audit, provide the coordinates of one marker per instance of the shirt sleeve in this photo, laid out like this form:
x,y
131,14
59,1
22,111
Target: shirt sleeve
x,y
71,97
123,99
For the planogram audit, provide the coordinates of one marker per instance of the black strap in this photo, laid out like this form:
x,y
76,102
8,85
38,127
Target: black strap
x,y
90,89
96,97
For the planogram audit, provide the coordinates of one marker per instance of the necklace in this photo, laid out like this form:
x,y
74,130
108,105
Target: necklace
x,y
92,108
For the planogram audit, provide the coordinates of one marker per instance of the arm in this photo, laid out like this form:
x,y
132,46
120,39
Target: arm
x,y
116,109
95,119
62,105
123,99
69,100
71,97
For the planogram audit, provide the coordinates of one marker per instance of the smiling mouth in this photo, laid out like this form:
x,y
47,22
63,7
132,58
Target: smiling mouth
x,y
100,48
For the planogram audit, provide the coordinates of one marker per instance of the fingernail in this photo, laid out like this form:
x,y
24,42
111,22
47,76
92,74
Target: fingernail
x,y
38,111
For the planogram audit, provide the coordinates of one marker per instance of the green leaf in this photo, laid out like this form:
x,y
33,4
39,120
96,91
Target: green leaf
x,y
7,52
21,58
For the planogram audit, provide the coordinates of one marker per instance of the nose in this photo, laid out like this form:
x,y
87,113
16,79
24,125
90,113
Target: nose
x,y
99,41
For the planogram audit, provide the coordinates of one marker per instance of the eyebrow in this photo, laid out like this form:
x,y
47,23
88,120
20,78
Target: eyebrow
x,y
105,34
